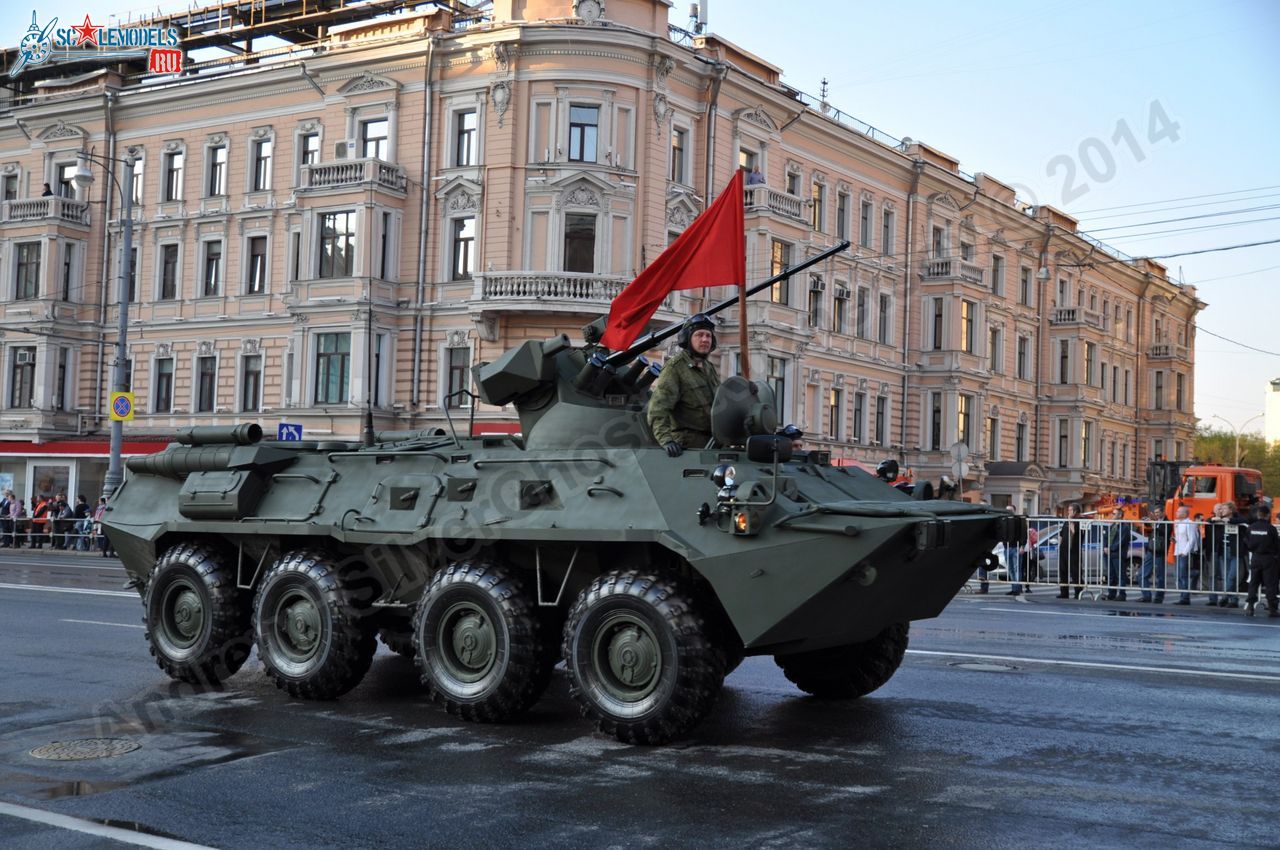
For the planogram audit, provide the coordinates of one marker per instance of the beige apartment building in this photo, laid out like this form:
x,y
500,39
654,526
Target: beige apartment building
x,y
354,221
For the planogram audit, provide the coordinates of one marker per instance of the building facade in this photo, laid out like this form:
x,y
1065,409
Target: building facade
x,y
352,223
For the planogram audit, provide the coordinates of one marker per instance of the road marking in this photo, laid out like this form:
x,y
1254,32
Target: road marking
x,y
1113,615
102,623
1253,677
128,593
88,827
57,565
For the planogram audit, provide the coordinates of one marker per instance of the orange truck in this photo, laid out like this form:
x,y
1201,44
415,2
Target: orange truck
x,y
1205,485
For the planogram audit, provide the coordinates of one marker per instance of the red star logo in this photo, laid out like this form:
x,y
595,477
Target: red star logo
x,y
86,32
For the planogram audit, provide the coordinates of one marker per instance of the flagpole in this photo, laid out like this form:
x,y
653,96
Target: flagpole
x,y
744,361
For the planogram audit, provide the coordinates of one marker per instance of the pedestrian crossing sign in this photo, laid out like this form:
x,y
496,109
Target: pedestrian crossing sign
x,y
121,407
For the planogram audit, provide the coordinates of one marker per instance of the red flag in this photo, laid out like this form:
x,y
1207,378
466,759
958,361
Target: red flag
x,y
711,252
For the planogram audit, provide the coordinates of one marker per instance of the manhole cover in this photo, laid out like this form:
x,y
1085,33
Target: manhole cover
x,y
85,748
984,666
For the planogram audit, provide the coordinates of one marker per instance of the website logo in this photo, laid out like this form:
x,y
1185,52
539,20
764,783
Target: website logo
x,y
158,45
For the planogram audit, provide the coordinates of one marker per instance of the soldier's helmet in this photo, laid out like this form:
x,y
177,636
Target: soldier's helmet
x,y
696,322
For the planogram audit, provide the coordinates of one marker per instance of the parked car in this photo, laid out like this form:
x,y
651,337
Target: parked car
x,y
1091,544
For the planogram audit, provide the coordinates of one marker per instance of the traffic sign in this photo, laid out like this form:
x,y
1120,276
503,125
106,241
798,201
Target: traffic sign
x,y
287,431
121,407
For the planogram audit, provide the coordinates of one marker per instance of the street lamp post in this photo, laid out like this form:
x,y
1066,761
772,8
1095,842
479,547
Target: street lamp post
x,y
1235,458
84,178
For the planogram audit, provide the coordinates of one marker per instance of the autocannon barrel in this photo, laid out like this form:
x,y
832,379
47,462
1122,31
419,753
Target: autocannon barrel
x,y
216,435
180,462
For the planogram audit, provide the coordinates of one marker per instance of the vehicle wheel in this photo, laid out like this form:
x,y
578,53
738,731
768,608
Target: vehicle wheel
x,y
480,643
197,619
846,672
398,638
642,662
310,636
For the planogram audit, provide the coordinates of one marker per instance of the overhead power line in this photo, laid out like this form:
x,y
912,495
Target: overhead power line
x,y
1203,329
1172,200
1184,218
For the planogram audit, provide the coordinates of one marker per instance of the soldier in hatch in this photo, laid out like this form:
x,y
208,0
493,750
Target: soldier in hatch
x,y
680,407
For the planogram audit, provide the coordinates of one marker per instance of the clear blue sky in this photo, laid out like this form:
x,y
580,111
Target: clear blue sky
x,y
1025,91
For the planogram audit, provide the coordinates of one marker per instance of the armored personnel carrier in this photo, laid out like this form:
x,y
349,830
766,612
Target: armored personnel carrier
x,y
492,559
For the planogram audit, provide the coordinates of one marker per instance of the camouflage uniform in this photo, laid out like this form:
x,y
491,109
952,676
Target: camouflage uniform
x,y
680,406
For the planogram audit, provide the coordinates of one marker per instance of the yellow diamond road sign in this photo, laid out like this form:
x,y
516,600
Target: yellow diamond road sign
x,y
122,407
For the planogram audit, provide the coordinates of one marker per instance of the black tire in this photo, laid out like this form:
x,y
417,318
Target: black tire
x,y
481,646
311,639
847,672
643,662
399,641
197,619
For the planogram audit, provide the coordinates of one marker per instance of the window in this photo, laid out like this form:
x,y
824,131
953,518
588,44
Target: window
x,y
793,182
584,128
216,168
212,268
1102,379
968,310
993,438
22,377
579,242
815,305
935,422
818,200
1086,443
206,383
386,262
374,143
938,243
1064,444
886,312
1064,362
27,270
173,163
261,165
964,419
59,399
1111,458
162,394
137,180
256,282
864,225
295,254
1180,388
463,250
68,270
251,383
1024,286
997,276
1115,383
886,232
840,315
842,215
333,362
1062,293
748,160
679,144
1090,355
459,360
995,350
1128,324
1126,386
777,380
882,415
309,149
1020,442
861,320
966,251
1024,363
780,260
859,417
835,403
1157,449
935,340
337,244
168,272
1159,390
64,186
464,142
9,188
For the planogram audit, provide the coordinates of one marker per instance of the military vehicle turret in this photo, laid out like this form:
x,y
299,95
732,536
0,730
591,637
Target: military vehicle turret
x,y
491,559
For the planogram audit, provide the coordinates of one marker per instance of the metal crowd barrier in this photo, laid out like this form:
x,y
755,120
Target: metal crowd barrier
x,y
69,534
1124,559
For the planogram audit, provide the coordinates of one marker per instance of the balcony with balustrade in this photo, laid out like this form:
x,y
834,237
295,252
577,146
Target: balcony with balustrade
x,y
347,174
572,293
761,200
952,270
50,208
1169,351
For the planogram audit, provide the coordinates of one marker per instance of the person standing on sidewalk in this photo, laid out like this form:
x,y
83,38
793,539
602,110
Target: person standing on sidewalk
x,y
1264,561
1237,528
1119,538
1069,554
1153,557
1186,553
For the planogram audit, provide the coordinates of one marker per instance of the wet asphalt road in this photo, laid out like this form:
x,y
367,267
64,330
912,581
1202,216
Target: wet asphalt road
x,y
1034,723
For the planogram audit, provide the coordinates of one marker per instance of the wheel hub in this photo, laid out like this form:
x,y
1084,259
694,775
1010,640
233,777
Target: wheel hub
x,y
629,658
299,626
470,641
184,614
